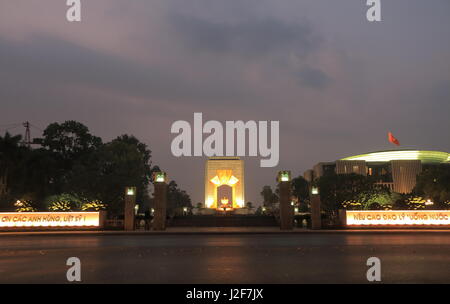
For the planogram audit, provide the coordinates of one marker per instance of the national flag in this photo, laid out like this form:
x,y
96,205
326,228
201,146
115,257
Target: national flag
x,y
393,140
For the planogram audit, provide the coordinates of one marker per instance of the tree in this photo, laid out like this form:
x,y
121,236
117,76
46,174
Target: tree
x,y
176,199
74,162
336,189
69,140
269,197
120,164
10,155
434,183
70,144
39,175
103,173
300,189
377,198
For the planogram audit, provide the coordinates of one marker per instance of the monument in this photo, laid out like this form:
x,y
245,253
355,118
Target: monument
x,y
224,183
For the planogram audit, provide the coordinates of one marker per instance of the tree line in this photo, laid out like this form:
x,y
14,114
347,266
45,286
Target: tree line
x,y
75,170
359,192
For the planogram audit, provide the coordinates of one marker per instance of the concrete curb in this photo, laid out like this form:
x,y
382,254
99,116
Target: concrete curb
x,y
230,232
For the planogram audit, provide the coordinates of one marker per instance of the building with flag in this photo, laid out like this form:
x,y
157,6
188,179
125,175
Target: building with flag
x,y
395,169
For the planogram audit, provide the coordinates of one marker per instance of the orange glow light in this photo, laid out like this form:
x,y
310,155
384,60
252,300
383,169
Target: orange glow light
x,y
49,219
399,218
224,177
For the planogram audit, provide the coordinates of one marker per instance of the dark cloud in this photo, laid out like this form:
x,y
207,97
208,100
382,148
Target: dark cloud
x,y
45,61
313,78
247,38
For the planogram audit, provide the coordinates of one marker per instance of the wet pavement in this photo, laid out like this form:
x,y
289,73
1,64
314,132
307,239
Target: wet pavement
x,y
406,257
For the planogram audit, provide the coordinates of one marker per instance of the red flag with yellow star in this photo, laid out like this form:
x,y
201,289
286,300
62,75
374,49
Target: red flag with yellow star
x,y
393,140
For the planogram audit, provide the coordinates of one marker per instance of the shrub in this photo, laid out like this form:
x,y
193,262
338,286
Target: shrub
x,y
415,203
94,205
63,202
352,205
24,205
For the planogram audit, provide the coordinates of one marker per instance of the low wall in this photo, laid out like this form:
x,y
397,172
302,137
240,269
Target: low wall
x,y
51,220
395,218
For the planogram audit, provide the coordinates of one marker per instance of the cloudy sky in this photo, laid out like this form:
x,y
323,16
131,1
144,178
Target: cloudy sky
x,y
336,82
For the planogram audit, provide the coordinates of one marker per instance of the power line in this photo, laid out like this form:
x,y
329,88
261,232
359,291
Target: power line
x,y
27,136
7,129
37,128
10,126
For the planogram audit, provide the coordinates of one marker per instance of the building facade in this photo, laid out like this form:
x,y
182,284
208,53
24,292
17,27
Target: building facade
x,y
396,169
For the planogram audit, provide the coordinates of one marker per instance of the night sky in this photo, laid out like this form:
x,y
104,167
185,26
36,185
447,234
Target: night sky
x,y
336,82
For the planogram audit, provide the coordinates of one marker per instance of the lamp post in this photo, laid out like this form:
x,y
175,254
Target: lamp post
x,y
286,209
159,217
316,219
129,212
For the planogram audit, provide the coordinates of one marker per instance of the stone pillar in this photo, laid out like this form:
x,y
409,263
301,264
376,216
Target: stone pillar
x,y
316,217
130,202
102,220
286,208
160,199
342,218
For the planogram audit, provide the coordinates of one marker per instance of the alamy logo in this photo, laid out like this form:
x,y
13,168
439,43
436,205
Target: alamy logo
x,y
73,274
74,11
213,145
373,274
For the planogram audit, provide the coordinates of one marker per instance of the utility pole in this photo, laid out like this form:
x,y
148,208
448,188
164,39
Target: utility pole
x,y
27,138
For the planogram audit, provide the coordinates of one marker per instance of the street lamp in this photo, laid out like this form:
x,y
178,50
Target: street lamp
x,y
130,191
160,177
284,176
315,190
429,203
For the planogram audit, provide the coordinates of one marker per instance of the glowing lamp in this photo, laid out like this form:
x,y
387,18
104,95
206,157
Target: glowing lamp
x,y
160,177
315,190
240,203
130,191
209,202
233,180
284,176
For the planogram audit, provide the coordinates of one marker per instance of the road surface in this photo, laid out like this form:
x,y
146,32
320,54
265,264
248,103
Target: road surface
x,y
413,257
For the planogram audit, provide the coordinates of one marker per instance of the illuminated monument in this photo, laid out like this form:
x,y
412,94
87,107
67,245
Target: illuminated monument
x,y
224,183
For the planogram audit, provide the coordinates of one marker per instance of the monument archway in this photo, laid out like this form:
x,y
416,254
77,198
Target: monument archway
x,y
225,197
224,175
